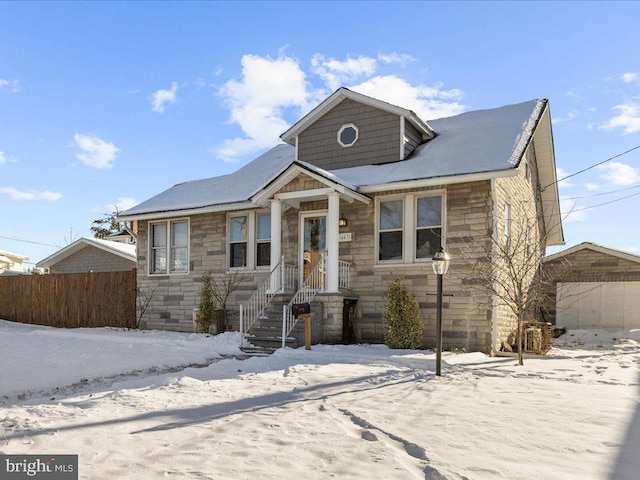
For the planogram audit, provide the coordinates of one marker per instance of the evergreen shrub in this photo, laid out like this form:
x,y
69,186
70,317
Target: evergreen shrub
x,y
401,318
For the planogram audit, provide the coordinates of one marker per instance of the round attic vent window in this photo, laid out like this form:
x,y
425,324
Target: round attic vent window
x,y
348,135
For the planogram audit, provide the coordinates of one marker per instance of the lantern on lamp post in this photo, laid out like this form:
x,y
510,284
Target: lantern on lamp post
x,y
440,264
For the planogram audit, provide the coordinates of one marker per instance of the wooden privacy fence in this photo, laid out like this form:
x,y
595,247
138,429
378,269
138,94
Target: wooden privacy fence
x,y
99,299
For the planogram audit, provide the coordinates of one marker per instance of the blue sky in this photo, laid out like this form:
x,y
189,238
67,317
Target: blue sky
x,y
105,104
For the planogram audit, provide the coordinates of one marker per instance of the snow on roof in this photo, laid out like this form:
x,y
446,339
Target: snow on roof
x,y
117,248
473,142
15,256
480,141
226,189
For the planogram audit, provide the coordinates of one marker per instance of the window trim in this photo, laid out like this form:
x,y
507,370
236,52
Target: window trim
x,y
342,129
258,241
169,247
443,236
409,230
251,240
246,241
379,201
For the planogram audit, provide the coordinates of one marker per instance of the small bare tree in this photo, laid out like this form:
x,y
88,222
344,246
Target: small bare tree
x,y
507,268
222,286
144,295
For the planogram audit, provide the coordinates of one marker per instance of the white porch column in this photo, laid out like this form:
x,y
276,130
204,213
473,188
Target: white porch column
x,y
276,241
333,245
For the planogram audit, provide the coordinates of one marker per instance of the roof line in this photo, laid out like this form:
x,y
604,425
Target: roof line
x,y
597,248
160,214
74,247
343,93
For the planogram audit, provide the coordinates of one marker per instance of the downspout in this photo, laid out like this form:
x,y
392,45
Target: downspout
x,y
494,307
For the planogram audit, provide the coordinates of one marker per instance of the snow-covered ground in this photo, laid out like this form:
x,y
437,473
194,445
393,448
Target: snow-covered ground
x,y
127,405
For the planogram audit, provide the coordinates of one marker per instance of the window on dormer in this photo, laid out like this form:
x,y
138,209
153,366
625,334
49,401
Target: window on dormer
x,y
348,135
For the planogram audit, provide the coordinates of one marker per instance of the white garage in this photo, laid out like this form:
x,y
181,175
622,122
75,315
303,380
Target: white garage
x,y
595,287
610,306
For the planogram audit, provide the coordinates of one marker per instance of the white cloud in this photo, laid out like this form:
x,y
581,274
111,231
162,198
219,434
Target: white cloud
x,y
3,159
257,102
568,211
161,97
428,102
393,57
30,194
630,77
272,92
560,174
124,203
567,118
592,186
628,118
12,86
336,73
620,173
634,250
95,152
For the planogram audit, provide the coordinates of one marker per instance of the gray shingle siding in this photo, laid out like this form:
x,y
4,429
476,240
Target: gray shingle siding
x,y
378,138
414,138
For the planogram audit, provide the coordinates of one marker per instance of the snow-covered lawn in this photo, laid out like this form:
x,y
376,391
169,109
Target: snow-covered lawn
x,y
125,403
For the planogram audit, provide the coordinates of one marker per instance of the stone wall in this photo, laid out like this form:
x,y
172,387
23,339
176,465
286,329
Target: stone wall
x,y
467,316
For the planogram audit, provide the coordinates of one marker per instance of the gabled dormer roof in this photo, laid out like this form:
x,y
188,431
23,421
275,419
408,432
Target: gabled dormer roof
x,y
344,93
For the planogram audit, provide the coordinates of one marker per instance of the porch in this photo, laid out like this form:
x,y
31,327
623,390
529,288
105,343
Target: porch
x,y
312,203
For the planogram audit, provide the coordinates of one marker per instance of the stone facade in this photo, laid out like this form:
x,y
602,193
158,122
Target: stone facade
x,y
474,226
466,322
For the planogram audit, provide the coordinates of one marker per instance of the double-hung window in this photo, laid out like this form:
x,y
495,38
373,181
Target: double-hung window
x,y
428,226
169,247
238,241
263,240
410,227
390,240
249,240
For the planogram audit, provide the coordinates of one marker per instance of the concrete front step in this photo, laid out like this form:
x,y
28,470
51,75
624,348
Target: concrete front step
x,y
256,351
271,342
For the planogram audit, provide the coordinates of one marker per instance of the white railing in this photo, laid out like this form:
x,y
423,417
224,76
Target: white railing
x,y
344,274
313,284
280,279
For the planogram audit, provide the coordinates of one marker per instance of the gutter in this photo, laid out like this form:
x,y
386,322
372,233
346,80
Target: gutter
x,y
159,214
436,181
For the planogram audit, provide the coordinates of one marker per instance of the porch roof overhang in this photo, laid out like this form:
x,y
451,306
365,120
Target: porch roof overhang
x,y
270,190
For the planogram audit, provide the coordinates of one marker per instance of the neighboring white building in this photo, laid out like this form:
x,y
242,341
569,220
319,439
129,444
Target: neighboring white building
x,y
11,262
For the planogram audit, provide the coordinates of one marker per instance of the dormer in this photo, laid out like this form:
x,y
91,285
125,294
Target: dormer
x,y
349,129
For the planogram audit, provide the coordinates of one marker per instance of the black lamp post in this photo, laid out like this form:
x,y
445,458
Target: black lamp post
x,y
440,264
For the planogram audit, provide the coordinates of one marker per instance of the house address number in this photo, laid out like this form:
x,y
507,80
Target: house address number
x,y
344,237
